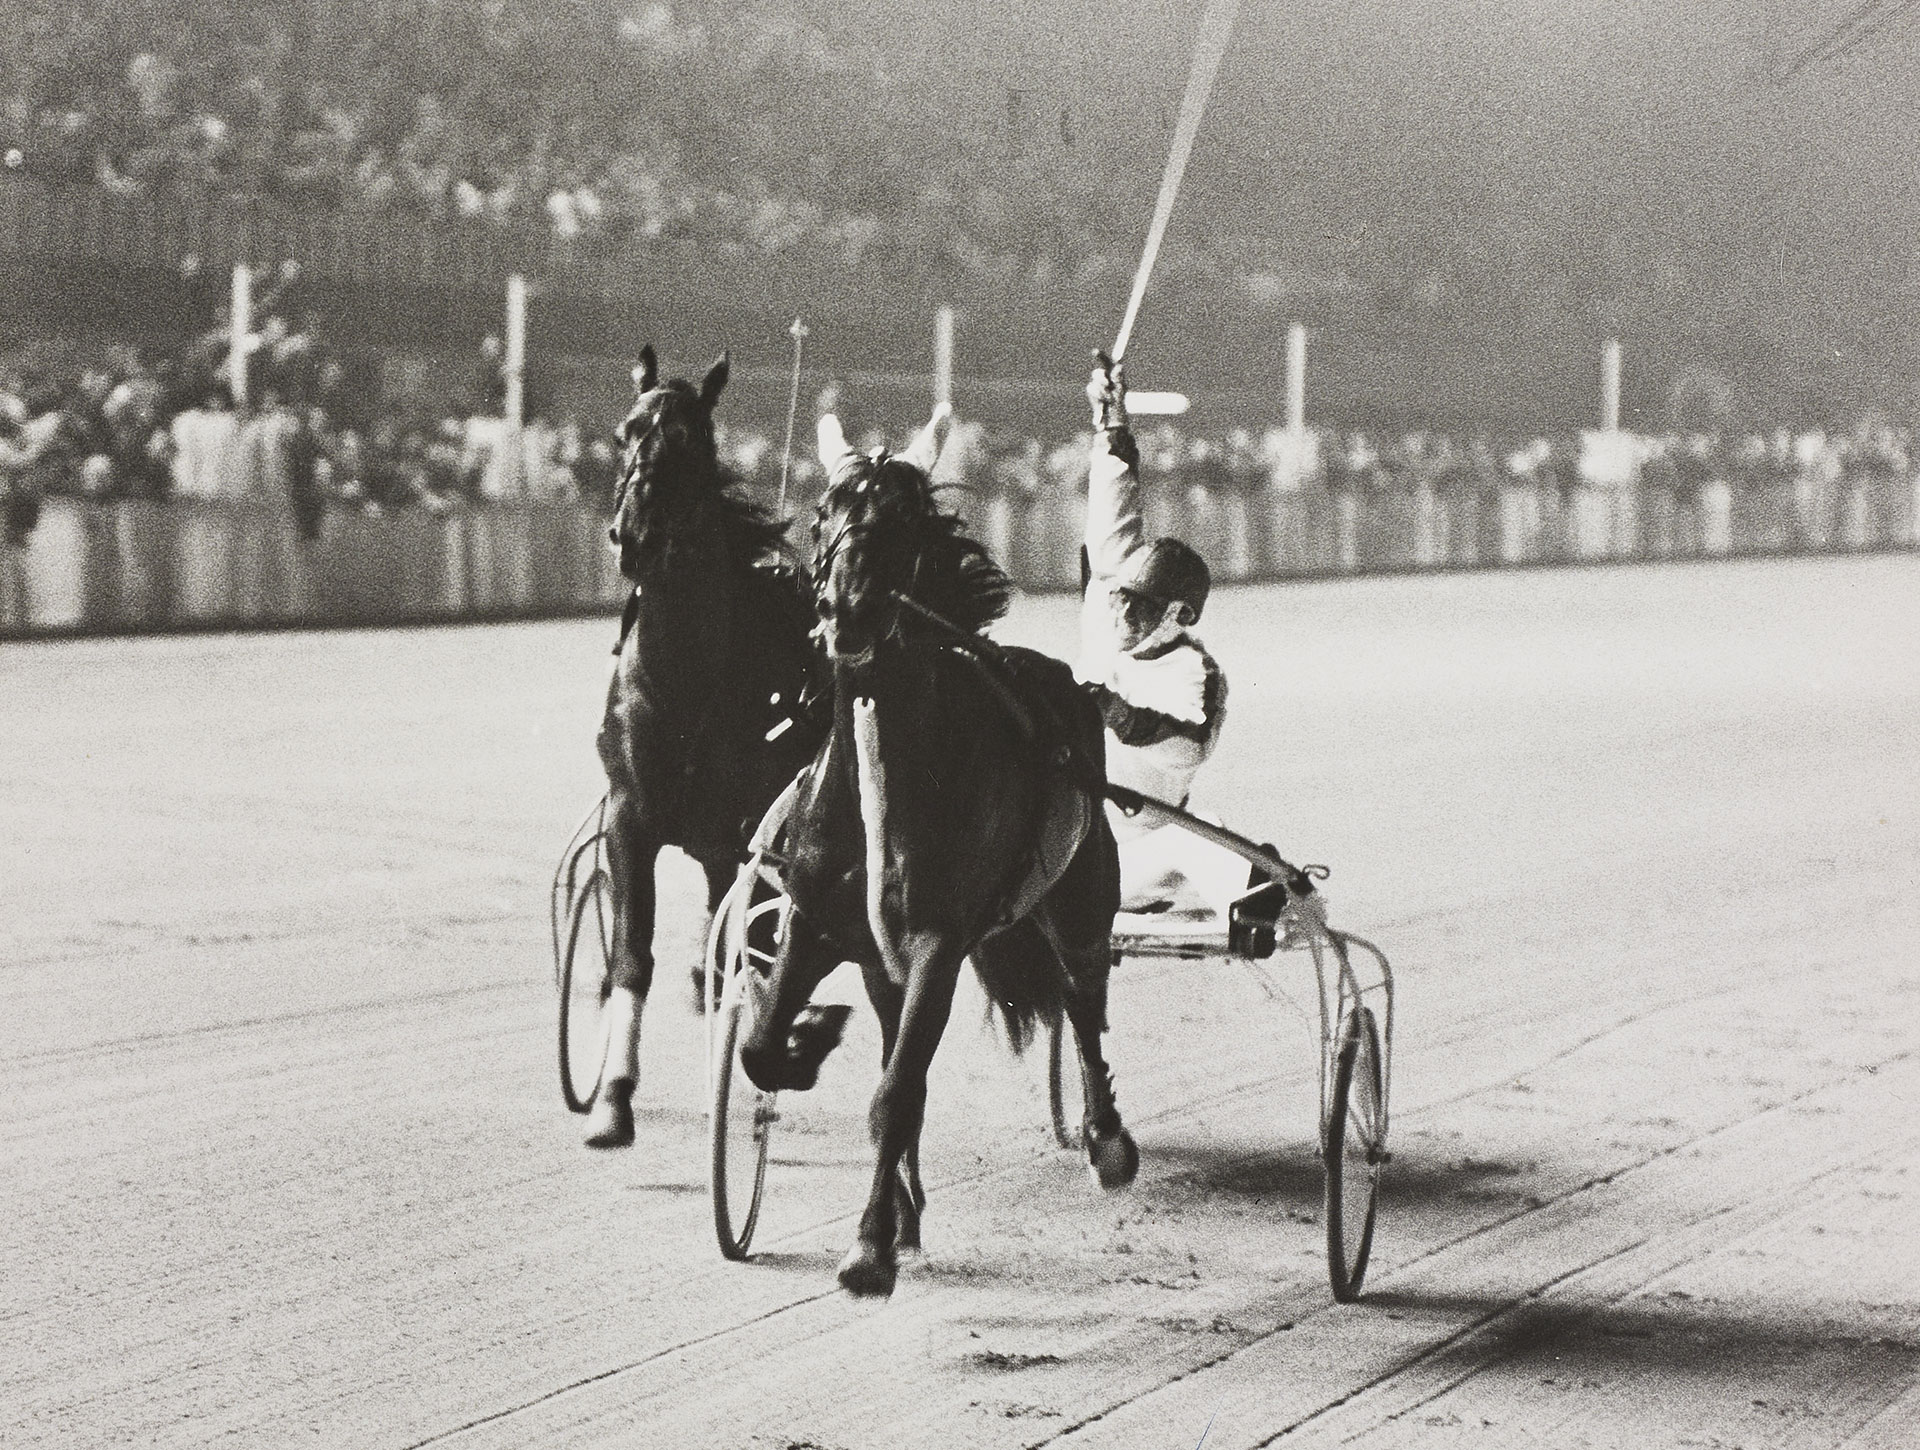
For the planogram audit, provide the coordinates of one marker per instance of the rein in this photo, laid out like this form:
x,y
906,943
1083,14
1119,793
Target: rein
x,y
991,662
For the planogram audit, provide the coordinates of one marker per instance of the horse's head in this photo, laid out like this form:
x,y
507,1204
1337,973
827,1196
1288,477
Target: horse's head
x,y
671,466
870,537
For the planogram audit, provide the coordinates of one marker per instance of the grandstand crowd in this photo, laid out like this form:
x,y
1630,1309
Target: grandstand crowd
x,y
725,126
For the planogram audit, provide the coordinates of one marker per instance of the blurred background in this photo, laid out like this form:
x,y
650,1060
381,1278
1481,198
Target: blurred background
x,y
1461,203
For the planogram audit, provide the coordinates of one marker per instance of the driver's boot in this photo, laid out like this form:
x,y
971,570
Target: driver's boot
x,y
610,1121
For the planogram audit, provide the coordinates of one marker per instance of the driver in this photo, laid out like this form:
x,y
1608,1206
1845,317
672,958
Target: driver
x,y
1163,697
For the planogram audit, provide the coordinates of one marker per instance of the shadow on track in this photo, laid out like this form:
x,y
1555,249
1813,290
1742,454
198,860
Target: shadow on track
x,y
1664,1337
1291,1173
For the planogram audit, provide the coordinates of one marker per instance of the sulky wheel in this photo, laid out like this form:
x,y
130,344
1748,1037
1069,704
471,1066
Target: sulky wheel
x,y
586,976
1353,1152
742,1116
1059,1042
743,1119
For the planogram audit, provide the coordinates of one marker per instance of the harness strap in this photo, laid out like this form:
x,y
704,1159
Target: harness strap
x,y
991,662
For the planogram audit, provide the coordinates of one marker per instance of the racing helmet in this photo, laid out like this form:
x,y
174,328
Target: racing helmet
x,y
1170,572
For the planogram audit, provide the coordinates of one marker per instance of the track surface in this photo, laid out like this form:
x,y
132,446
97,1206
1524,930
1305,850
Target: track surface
x,y
286,1161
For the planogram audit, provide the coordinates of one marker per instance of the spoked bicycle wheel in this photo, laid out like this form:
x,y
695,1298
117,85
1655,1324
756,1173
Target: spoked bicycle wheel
x,y
742,1119
1059,1041
586,977
1353,1152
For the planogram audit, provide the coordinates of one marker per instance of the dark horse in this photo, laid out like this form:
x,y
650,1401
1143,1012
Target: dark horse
x,y
703,725
953,811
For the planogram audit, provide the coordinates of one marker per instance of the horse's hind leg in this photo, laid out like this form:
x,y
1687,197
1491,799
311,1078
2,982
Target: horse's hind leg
x,y
895,1117
630,860
1077,917
1111,1153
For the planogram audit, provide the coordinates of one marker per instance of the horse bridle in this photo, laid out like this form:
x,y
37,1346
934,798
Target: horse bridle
x,y
853,528
632,456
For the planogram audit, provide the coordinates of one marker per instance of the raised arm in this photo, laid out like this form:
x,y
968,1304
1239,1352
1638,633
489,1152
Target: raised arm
x,y
1114,531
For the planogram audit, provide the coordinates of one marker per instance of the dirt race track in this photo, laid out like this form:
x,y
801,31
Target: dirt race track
x,y
286,1161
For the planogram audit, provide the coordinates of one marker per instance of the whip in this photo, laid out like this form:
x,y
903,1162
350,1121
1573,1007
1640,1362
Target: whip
x,y
1216,26
798,332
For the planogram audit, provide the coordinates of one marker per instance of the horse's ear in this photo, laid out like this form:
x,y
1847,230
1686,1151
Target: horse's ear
x,y
646,373
715,380
924,452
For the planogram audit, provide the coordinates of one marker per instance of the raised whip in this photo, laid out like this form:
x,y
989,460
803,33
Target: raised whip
x,y
1216,26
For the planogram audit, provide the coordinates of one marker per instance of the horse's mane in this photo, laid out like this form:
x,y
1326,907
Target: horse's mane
x,y
960,580
754,534
956,578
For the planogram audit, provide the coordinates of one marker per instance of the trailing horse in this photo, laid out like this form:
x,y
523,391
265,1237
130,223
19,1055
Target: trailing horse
x,y
703,725
953,811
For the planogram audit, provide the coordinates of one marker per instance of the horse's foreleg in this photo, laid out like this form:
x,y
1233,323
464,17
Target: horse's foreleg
x,y
630,860
909,1197
895,1116
1110,1149
789,1040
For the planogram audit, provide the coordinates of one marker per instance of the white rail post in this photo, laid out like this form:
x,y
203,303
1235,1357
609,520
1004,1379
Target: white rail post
x,y
943,356
513,371
240,333
1296,379
1610,385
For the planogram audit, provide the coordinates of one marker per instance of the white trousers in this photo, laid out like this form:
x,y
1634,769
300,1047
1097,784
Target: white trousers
x,y
1168,864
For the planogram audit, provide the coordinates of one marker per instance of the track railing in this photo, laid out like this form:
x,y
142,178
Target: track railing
x,y
133,566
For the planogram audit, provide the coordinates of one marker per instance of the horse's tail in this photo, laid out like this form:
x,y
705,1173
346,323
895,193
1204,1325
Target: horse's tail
x,y
1022,978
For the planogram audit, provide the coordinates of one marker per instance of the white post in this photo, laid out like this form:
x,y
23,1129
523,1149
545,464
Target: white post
x,y
943,356
240,333
1610,385
514,366
1296,379
513,370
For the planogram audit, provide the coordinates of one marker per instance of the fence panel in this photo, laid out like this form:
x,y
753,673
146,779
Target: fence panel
x,y
132,566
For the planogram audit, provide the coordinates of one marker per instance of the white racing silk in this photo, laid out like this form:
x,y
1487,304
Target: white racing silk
x,y
1174,682
1166,672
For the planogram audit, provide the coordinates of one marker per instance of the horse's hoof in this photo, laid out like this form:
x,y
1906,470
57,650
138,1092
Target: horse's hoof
x,y
814,1035
865,1275
610,1123
1114,1160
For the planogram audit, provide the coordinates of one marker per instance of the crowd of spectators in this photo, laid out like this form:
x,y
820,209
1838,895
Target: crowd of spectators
x,y
1348,461
737,127
318,433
